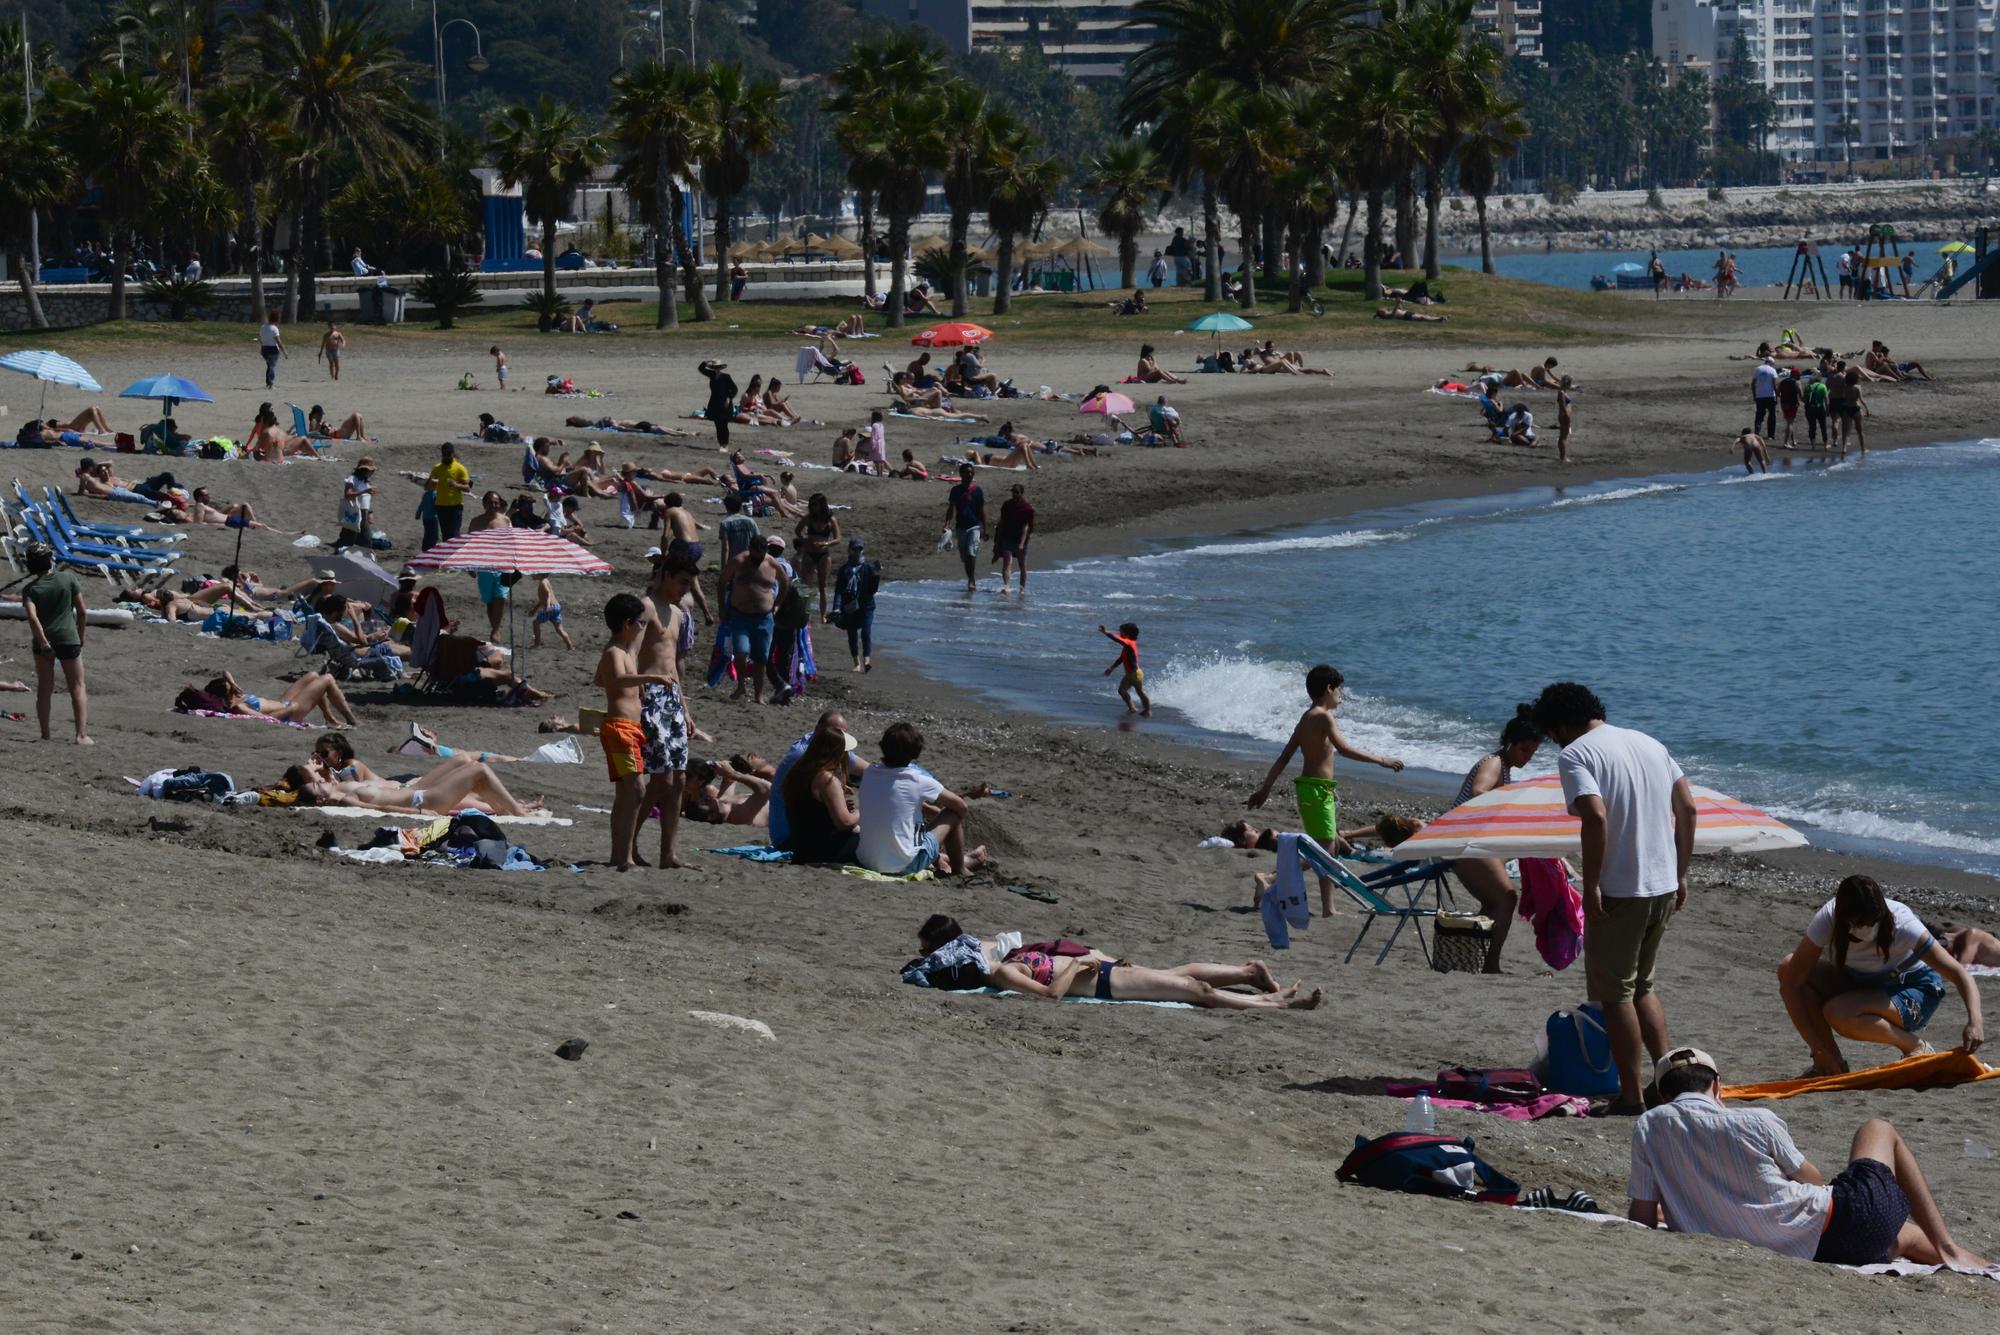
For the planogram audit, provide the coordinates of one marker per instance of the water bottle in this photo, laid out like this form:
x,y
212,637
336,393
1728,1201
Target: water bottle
x,y
1423,1118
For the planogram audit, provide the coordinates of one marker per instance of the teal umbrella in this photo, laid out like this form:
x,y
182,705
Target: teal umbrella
x,y
1220,323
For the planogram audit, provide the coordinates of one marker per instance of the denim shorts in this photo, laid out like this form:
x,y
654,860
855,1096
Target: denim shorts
x,y
1916,994
927,853
749,637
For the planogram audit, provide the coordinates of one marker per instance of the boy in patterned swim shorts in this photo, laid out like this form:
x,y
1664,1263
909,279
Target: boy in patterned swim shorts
x,y
663,709
1317,738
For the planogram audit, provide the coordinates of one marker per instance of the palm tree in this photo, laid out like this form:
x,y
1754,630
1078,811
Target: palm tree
x,y
1024,186
871,72
346,84
748,116
544,150
659,115
1493,137
1255,44
907,139
1455,69
1382,115
1131,184
973,129
1190,133
244,124
39,173
127,126
1264,139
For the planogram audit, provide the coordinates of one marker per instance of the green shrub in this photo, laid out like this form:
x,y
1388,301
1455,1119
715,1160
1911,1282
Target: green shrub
x,y
447,292
179,295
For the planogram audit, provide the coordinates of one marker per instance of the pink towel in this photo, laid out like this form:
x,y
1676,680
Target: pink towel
x,y
1555,907
1548,1105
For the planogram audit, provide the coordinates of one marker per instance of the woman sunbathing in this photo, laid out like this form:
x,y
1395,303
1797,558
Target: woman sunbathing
x,y
166,603
455,785
912,402
1267,360
1149,370
270,443
1020,450
1094,973
1971,945
1881,361
1396,312
91,420
350,428
711,795
315,690
97,481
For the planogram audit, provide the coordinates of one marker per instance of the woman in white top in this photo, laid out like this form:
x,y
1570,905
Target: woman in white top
x,y
1487,878
1868,969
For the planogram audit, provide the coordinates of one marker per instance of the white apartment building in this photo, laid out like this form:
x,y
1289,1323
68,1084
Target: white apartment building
x,y
1516,25
1086,38
1899,73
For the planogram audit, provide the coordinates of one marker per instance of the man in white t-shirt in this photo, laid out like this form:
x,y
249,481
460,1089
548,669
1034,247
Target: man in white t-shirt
x,y
909,821
1764,398
1638,816
271,343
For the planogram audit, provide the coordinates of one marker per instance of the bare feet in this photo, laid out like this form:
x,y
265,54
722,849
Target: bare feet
x,y
1958,1258
1265,981
670,862
1305,1003
974,860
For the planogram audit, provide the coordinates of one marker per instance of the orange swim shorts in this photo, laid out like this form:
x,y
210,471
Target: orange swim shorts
x,y
624,746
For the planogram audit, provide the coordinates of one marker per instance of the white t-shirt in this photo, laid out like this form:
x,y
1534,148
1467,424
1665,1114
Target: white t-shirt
x,y
1764,382
892,815
1846,264
1865,961
268,336
1635,776
193,271
358,508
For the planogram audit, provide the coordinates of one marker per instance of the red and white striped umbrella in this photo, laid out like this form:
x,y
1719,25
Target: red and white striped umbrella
x,y
508,551
1528,820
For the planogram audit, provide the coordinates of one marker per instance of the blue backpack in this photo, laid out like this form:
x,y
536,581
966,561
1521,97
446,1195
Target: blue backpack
x,y
1427,1165
1580,1053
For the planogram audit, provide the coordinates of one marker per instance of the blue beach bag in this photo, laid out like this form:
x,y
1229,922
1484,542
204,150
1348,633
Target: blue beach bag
x,y
1579,1053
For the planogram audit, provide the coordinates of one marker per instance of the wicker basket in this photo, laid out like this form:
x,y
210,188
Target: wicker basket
x,y
1459,943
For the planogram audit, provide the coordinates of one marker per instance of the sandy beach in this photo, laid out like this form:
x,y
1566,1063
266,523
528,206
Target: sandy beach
x,y
261,1087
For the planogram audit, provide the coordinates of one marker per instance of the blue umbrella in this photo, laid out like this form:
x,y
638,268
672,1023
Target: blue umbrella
x,y
1220,323
169,389
50,368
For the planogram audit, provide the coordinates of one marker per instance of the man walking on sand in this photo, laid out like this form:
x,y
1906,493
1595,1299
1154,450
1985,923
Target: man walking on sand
x,y
1316,737
1638,818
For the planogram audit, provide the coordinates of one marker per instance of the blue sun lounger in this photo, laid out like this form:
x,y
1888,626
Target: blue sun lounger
x,y
1410,880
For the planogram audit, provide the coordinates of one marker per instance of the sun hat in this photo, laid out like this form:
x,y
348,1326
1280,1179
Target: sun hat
x,y
406,574
848,739
325,576
593,448
364,462
1680,1057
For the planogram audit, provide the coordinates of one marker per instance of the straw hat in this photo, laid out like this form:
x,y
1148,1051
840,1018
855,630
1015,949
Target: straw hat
x,y
593,448
364,462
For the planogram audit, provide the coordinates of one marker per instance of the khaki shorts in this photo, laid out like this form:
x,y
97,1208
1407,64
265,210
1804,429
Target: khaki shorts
x,y
1619,951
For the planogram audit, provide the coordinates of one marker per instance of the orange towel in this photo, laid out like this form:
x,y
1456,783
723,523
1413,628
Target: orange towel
x,y
1936,1070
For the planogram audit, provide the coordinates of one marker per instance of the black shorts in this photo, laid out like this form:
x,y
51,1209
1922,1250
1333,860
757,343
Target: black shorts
x,y
64,653
1869,1209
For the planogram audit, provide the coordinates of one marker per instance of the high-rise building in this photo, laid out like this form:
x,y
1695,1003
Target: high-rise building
x,y
1881,78
1087,38
1516,25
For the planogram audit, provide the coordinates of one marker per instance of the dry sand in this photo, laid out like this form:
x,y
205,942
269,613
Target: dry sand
x,y
254,1087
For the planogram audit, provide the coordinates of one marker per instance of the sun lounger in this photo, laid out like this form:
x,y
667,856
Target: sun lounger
x,y
1368,895
73,525
93,555
63,519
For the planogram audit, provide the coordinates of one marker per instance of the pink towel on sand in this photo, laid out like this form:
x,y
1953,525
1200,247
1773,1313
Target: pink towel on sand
x,y
1548,1105
1555,907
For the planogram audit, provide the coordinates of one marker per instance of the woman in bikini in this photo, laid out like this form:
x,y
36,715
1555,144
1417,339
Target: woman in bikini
x,y
350,428
709,797
1149,370
818,534
1094,973
270,443
1020,450
171,605
913,402
455,785
777,405
315,690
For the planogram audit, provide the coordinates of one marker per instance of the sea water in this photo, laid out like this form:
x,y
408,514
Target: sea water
x,y
1755,265
1822,641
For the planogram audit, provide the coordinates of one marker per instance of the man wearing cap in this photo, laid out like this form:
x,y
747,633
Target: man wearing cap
x,y
357,503
1764,396
781,825
1700,1166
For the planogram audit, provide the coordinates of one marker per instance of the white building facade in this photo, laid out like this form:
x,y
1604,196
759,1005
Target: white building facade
x,y
1515,25
1877,78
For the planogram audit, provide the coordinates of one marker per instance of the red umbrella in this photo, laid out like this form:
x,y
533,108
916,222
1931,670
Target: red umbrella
x,y
509,551
952,336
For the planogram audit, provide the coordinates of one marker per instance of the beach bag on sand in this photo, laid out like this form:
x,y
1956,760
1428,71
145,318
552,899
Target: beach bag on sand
x,y
196,785
1427,1165
1578,1057
1514,1084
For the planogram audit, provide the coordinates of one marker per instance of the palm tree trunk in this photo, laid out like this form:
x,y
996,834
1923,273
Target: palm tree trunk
x,y
549,260
121,255
1128,258
1485,240
669,316
961,223
1406,217
867,202
1371,248
1247,298
1274,234
1316,262
722,248
1295,287
1347,231
684,252
1003,276
253,250
1211,240
1433,186
899,240
306,254
26,272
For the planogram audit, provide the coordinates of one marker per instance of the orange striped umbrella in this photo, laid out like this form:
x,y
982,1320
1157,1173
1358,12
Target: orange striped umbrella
x,y
1527,820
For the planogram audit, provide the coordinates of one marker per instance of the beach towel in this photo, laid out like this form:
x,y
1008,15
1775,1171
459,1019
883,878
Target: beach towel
x,y
754,853
532,818
917,417
225,714
1936,1070
1555,906
1983,970
1453,389
1085,1001
870,874
1547,1105
1284,905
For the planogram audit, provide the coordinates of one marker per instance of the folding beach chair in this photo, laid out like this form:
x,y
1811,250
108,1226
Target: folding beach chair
x,y
810,361
1369,897
320,444
59,507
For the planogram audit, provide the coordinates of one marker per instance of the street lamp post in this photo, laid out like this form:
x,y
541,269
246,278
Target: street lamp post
x,y
477,64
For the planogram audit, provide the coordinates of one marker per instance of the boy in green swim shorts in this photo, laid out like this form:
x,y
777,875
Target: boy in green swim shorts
x,y
1316,738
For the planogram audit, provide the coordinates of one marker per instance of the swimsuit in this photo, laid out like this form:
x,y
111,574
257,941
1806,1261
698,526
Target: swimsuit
x,y
663,726
1318,800
552,617
624,744
1104,968
416,799
1039,966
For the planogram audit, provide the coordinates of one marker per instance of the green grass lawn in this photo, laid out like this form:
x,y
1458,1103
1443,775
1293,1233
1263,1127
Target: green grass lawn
x,y
1481,307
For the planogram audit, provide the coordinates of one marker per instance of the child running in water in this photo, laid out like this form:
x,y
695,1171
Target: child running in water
x,y
1134,680
1316,736
548,612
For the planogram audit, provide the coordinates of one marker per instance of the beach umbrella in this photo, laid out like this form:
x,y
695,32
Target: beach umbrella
x,y
1219,323
51,368
1528,820
1954,248
952,334
842,247
1110,403
1077,247
168,389
356,575
512,551
744,250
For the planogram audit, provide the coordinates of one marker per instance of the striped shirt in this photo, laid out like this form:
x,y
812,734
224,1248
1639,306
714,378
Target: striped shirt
x,y
1727,1172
